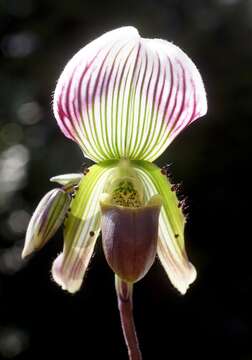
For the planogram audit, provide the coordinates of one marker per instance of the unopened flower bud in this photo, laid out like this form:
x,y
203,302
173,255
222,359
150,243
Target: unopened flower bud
x,y
46,220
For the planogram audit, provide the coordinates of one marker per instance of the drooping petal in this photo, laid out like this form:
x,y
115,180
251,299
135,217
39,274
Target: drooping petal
x,y
67,179
46,220
171,247
82,228
123,96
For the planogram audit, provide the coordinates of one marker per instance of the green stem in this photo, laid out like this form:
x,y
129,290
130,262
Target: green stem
x,y
124,292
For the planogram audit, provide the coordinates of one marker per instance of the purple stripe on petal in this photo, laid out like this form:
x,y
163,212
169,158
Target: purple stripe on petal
x,y
126,96
182,105
171,87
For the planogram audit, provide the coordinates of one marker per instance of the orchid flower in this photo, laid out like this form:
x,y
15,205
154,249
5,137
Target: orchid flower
x,y
123,99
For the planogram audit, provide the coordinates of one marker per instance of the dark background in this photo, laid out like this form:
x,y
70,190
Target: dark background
x,y
212,157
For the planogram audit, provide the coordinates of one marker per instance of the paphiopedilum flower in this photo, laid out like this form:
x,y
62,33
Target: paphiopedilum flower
x,y
123,99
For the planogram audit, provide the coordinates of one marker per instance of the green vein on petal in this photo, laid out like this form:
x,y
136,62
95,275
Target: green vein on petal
x,y
126,96
171,247
82,228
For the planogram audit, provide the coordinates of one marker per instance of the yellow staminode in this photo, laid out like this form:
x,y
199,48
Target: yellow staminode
x,y
125,194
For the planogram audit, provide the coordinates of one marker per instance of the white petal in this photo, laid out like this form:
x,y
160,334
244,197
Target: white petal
x,y
123,96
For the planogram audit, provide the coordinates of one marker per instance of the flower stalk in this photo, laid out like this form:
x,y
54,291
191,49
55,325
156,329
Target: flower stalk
x,y
124,291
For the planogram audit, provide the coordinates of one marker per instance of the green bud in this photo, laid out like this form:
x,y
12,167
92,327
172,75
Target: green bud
x,y
46,220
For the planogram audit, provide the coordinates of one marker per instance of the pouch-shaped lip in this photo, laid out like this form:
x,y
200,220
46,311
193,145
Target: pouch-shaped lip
x,y
129,237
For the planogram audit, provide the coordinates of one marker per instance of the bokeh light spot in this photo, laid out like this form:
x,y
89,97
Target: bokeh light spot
x,y
18,221
20,44
13,341
13,170
10,259
11,133
29,113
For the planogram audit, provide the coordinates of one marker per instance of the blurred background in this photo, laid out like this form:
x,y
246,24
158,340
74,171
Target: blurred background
x,y
212,158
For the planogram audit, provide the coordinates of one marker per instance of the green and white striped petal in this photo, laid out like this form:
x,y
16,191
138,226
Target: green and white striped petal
x,y
123,96
46,220
82,228
171,247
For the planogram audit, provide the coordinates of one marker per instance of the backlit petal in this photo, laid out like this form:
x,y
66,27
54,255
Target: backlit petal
x,y
171,248
126,96
82,228
67,179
